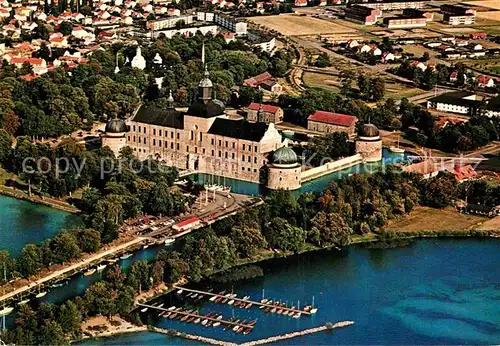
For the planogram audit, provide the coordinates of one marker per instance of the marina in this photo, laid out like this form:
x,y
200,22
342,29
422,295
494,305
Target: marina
x,y
219,320
264,303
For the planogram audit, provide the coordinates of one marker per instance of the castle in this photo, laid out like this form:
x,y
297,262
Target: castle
x,y
204,139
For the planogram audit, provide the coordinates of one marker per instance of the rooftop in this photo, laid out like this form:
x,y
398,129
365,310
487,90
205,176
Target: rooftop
x,y
238,129
153,115
333,118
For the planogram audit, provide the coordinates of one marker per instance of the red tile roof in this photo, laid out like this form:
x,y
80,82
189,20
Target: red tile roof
x,y
424,167
187,222
464,172
266,108
483,79
333,118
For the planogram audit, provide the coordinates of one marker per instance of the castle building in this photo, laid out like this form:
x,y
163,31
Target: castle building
x,y
203,139
369,143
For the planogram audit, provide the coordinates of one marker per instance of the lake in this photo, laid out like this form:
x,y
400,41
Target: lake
x,y
23,222
437,291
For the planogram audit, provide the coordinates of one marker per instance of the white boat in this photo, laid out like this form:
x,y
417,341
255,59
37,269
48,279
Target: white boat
x,y
264,301
204,322
180,291
145,246
101,267
6,311
125,256
161,305
41,294
169,241
216,324
313,311
246,297
396,149
213,298
297,315
231,302
219,317
144,310
172,308
235,328
194,295
89,272
22,302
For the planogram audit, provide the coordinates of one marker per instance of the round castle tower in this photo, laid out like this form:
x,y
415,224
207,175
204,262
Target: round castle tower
x,y
284,170
114,135
369,143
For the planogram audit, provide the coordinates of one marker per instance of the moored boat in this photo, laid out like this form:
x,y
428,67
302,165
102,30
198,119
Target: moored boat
x,y
101,267
41,294
231,302
6,310
169,241
197,320
180,291
144,310
22,302
89,272
125,256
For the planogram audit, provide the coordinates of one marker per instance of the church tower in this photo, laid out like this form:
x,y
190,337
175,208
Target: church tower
x,y
205,87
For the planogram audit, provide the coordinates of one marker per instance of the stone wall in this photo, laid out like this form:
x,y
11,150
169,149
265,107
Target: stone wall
x,y
330,167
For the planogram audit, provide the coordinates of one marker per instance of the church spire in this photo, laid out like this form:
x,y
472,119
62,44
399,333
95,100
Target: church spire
x,y
170,100
117,68
203,53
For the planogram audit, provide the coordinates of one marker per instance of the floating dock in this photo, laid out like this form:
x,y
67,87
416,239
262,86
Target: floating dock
x,y
190,314
246,301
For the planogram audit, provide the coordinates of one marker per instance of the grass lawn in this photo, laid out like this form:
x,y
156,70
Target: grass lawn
x,y
429,219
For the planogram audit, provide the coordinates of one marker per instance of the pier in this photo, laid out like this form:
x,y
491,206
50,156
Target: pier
x,y
246,301
190,314
255,342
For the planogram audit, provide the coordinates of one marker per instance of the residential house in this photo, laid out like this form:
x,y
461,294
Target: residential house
x,y
485,81
264,80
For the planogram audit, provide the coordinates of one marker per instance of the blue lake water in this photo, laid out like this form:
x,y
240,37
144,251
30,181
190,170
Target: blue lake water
x,y
23,222
316,185
439,291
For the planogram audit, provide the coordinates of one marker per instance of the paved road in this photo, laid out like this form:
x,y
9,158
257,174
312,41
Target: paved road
x,y
79,265
374,68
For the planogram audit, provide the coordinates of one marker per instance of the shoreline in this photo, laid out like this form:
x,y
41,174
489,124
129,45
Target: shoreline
x,y
365,240
48,201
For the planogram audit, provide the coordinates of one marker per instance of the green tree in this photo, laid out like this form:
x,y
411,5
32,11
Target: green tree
x,y
30,261
89,240
281,235
377,88
52,334
329,229
70,318
65,28
5,146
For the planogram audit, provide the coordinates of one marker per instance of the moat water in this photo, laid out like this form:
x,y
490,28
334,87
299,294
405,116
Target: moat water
x,y
315,185
436,291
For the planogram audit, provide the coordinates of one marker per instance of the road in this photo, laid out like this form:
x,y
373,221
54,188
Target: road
x,y
374,68
82,264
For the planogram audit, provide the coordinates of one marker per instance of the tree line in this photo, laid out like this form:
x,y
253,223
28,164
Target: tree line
x,y
59,102
119,189
478,131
